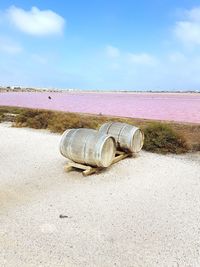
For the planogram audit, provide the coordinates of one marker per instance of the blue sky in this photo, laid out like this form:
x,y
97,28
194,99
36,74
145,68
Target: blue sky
x,y
101,44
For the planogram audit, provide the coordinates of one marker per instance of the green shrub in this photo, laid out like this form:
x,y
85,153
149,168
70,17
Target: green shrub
x,y
62,121
14,110
33,118
161,138
56,121
1,117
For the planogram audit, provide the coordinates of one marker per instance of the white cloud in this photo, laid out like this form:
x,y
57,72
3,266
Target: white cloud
x,y
194,14
9,46
188,30
39,59
36,22
112,52
114,66
176,57
124,57
142,58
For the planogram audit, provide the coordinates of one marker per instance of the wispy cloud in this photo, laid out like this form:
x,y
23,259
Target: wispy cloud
x,y
35,21
9,46
176,57
124,57
112,52
41,59
188,29
142,59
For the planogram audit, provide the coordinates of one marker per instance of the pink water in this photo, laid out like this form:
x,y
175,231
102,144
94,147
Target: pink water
x,y
173,107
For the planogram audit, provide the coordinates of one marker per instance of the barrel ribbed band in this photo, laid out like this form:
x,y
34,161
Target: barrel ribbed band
x,y
70,141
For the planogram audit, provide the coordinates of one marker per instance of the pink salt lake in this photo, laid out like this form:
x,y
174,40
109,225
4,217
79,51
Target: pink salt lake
x,y
178,107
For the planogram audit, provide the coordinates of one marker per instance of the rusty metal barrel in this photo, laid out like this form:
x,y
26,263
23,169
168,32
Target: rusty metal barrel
x,y
128,138
88,147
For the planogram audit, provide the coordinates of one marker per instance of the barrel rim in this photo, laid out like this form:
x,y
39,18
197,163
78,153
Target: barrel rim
x,y
142,142
98,150
61,139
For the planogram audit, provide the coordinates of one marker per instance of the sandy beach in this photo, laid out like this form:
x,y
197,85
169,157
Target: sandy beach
x,y
140,212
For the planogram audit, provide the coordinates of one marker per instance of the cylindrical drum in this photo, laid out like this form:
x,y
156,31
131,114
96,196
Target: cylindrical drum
x,y
127,137
87,146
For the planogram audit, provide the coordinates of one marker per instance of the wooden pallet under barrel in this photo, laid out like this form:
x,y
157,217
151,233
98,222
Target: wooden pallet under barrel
x,y
87,170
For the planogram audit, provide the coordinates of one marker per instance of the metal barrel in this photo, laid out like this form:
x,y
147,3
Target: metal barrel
x,y
127,137
88,147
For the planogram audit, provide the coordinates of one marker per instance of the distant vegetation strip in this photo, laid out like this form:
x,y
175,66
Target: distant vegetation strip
x,y
160,137
64,90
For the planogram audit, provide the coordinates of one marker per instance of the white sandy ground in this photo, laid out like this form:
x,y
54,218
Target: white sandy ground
x,y
142,211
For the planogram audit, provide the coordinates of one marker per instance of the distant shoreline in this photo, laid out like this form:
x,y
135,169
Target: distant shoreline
x,y
41,90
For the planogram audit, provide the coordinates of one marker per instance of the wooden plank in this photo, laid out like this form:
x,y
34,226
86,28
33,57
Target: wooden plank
x,y
122,155
68,168
120,152
78,166
87,170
